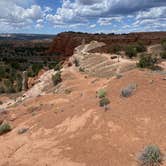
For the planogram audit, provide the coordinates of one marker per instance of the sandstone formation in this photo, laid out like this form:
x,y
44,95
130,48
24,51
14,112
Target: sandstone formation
x,y
99,64
64,43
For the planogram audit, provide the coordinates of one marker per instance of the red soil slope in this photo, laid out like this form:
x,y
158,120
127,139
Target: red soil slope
x,y
70,129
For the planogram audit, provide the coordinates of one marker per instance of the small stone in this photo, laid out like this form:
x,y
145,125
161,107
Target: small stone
x,y
151,81
13,117
164,79
22,130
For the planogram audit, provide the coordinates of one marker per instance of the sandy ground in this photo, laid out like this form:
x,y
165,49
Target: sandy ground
x,y
68,128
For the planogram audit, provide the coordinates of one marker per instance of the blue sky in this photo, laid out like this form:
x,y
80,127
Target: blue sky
x,y
95,16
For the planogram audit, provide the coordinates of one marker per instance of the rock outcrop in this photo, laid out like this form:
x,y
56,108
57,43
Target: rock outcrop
x,y
24,81
99,64
64,43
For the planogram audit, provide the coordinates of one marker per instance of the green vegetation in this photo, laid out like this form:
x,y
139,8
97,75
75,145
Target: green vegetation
x,y
163,43
104,102
101,93
151,156
147,61
115,49
76,62
81,69
163,55
56,78
132,50
4,128
18,57
140,47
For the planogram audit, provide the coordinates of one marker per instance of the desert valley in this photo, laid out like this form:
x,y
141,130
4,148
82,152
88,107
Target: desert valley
x,y
79,99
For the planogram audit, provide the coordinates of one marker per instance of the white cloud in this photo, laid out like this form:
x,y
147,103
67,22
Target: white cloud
x,y
18,14
23,14
93,26
156,12
109,20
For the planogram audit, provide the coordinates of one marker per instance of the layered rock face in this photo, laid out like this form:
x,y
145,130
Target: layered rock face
x,y
99,64
64,43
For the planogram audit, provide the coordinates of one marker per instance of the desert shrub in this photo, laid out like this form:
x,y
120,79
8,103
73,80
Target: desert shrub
x,y
150,156
15,65
18,85
127,91
131,51
9,86
4,128
147,61
30,74
81,69
2,89
118,76
36,68
58,67
115,49
101,93
2,72
76,62
104,102
56,78
140,47
163,55
163,43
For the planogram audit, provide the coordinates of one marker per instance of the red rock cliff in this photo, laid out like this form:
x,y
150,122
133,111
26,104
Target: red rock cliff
x,y
64,43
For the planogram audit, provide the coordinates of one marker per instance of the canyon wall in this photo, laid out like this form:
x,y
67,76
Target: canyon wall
x,y
64,43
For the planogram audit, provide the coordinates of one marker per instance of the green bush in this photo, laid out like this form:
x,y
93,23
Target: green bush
x,y
56,78
81,69
4,128
131,51
101,93
140,47
76,62
163,43
58,67
104,102
115,49
151,156
9,86
147,61
163,55
36,68
2,89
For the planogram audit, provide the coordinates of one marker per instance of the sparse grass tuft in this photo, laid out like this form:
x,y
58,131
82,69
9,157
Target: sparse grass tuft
x,y
101,93
56,78
4,128
68,91
81,69
150,156
126,92
104,102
